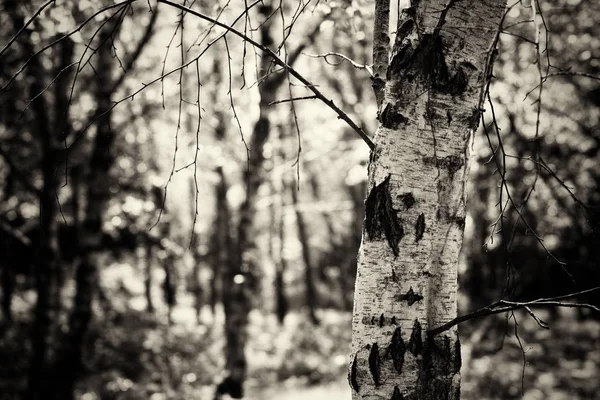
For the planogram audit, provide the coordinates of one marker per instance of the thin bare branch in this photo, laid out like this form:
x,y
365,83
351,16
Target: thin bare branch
x,y
502,306
341,115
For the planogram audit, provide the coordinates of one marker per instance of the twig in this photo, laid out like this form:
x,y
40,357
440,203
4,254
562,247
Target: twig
x,y
502,306
341,115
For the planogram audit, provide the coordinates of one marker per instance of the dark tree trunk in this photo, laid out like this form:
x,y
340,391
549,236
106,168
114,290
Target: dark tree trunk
x,y
170,285
239,279
224,241
281,303
46,252
316,191
70,362
309,291
196,285
148,277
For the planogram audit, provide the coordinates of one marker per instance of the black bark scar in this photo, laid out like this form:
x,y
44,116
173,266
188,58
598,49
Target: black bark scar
x,y
353,373
396,350
380,217
450,163
420,227
410,297
407,199
397,395
391,117
427,62
375,364
415,344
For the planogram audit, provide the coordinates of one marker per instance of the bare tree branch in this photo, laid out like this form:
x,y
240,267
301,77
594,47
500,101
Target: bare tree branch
x,y
341,115
502,306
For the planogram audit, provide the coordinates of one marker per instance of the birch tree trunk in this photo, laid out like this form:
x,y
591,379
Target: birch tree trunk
x,y
415,207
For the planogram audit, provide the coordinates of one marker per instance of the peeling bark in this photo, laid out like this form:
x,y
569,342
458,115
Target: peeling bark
x,y
417,173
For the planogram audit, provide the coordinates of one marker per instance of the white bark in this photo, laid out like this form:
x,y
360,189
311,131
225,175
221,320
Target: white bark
x,y
415,209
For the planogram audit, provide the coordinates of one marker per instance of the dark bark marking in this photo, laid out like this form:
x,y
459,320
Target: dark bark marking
x,y
396,350
440,362
375,364
407,199
449,117
420,227
415,344
378,84
474,118
380,320
457,356
451,163
451,218
397,395
460,221
427,62
391,117
410,297
405,29
443,358
353,373
380,217
457,84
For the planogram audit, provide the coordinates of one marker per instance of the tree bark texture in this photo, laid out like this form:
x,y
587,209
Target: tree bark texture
x,y
415,207
149,260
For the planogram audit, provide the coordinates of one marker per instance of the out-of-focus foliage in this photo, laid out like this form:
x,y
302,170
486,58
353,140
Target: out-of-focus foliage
x,y
173,349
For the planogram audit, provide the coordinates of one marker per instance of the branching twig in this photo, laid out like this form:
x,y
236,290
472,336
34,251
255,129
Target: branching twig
x,y
502,306
343,57
341,115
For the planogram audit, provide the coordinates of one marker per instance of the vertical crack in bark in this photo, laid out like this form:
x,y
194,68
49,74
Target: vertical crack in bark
x,y
380,216
375,364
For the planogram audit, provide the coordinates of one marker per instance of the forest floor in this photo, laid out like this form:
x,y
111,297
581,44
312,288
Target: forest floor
x,y
135,356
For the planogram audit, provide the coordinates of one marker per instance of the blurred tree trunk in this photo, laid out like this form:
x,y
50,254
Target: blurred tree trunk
x,y
348,275
309,288
415,210
46,259
281,263
149,259
196,285
326,214
239,276
7,267
170,282
275,253
224,241
70,360
239,279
